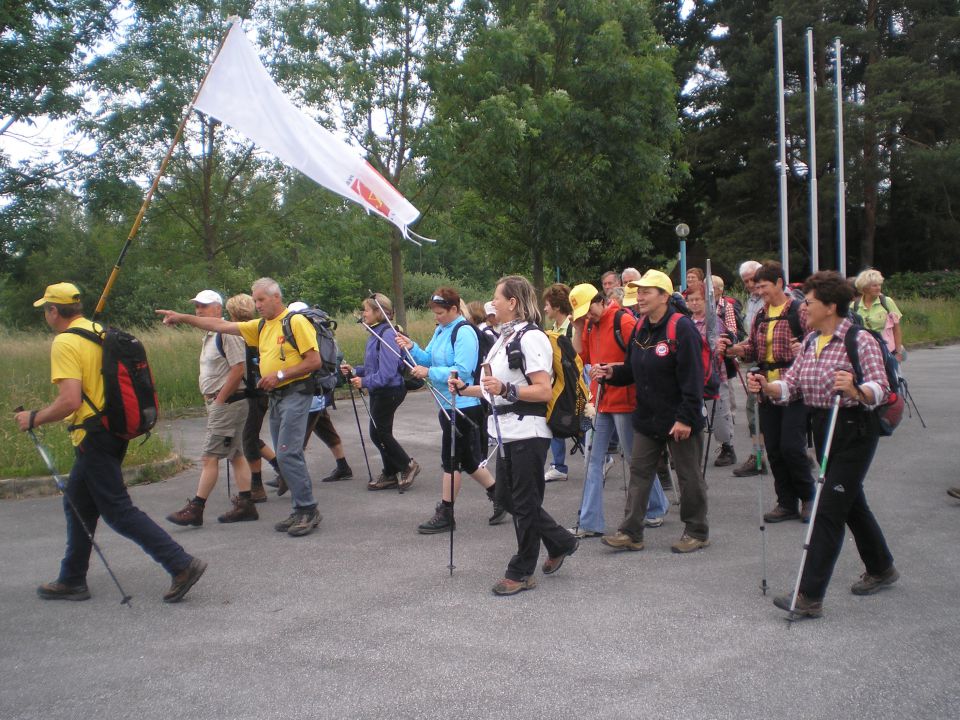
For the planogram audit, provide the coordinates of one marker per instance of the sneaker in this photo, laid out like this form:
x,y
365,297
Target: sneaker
x,y
806,510
383,482
407,476
581,533
954,492
607,464
189,514
57,590
779,514
749,468
551,565
441,521
622,541
305,523
339,474
184,580
499,514
805,608
258,494
243,509
869,584
726,456
554,475
653,522
285,525
506,586
689,544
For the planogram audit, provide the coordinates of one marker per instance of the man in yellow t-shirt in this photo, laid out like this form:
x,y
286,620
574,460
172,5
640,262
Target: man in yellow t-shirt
x,y
95,488
285,369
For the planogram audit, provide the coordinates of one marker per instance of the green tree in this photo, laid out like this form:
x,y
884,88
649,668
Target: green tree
x,y
558,124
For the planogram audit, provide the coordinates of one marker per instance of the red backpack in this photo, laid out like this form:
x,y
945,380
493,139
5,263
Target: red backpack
x,y
711,371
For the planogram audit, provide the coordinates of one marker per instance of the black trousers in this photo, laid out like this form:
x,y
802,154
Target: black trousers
x,y
520,487
383,406
842,501
784,429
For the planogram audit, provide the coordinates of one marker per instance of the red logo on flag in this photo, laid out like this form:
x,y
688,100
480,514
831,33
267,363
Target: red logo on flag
x,y
370,198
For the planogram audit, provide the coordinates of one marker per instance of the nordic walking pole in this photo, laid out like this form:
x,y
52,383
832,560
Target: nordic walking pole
x,y
834,411
706,454
453,466
586,469
356,414
62,487
485,370
758,454
153,188
228,479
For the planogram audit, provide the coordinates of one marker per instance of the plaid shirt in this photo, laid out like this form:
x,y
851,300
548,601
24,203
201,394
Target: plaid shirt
x,y
812,377
755,346
727,315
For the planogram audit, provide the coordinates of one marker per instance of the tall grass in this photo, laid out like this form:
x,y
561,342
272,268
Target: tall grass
x,y
926,321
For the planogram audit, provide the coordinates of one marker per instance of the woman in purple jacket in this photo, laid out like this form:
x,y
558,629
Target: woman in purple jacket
x,y
381,375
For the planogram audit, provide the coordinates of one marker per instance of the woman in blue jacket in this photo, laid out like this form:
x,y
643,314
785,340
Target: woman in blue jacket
x,y
381,375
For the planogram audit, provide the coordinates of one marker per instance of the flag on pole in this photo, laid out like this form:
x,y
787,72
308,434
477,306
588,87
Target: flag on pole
x,y
239,92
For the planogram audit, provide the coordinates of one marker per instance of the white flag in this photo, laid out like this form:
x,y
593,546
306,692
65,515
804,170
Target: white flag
x,y
239,92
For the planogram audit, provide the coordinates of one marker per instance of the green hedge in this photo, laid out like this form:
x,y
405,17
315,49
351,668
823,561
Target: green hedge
x,y
936,284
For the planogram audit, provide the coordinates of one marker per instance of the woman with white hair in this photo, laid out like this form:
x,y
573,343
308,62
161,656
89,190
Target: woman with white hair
x,y
879,312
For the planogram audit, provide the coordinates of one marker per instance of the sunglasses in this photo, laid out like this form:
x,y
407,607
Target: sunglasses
x,y
440,300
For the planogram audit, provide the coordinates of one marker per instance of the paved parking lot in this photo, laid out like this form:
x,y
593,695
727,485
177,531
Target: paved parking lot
x,y
362,619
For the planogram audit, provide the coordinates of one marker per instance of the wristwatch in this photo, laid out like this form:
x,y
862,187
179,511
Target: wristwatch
x,y
280,375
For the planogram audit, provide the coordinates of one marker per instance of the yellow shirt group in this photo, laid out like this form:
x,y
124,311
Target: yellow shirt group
x,y
77,358
275,352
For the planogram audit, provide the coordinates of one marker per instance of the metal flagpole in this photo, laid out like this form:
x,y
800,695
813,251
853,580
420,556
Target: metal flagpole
x,y
782,170
812,163
841,182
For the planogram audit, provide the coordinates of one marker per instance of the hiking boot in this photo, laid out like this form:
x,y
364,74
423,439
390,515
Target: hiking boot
x,y
184,580
551,565
581,533
749,468
441,521
285,525
726,456
954,492
281,486
57,590
506,586
689,544
339,474
189,514
779,514
499,514
383,482
305,523
622,541
806,510
805,607
554,475
258,494
869,584
243,509
407,476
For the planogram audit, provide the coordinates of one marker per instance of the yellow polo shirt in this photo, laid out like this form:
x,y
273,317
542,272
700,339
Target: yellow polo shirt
x,y
75,358
275,353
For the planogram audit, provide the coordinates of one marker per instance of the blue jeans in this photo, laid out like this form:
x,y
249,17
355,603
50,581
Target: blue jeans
x,y
288,424
591,509
558,449
97,490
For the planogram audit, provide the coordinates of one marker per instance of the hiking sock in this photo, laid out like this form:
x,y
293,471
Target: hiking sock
x,y
447,504
199,500
491,492
342,465
256,479
246,494
274,464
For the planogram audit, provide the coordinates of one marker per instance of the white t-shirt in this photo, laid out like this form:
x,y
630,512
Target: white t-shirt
x,y
538,357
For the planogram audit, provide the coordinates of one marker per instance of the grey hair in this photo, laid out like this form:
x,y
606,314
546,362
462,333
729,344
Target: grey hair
x,y
717,280
268,285
632,272
749,268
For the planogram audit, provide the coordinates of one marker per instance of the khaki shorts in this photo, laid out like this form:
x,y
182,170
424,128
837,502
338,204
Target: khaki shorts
x,y
225,429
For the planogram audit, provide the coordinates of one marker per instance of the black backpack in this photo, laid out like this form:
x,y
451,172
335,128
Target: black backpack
x,y
738,314
131,407
328,375
484,339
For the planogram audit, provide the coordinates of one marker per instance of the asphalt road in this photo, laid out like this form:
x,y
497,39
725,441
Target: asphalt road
x,y
362,619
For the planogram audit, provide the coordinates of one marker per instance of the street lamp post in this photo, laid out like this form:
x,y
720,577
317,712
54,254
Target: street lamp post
x,y
682,230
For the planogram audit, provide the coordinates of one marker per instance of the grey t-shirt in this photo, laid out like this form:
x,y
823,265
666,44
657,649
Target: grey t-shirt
x,y
214,367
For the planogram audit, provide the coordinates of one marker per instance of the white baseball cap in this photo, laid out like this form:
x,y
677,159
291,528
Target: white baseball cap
x,y
489,309
297,306
208,297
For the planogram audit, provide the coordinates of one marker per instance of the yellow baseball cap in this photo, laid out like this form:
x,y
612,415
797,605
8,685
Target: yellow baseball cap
x,y
629,296
653,279
580,298
60,294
